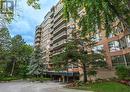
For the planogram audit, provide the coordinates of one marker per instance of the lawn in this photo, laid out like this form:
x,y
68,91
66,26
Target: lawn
x,y
106,87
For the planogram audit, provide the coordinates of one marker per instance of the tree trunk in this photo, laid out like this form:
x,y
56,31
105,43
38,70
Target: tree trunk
x,y
12,70
85,73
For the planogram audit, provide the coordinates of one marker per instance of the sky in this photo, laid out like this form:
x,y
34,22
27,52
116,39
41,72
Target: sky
x,y
26,19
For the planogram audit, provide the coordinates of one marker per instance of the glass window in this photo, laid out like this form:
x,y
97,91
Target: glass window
x,y
128,59
114,46
97,37
128,40
123,44
118,60
98,49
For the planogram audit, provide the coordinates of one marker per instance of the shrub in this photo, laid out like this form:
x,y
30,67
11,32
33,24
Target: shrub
x,y
122,72
92,73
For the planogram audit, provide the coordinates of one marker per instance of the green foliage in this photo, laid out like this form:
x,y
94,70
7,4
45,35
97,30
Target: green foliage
x,y
92,73
5,39
122,72
8,78
105,87
98,13
9,16
74,53
18,55
34,3
5,43
36,66
41,79
70,53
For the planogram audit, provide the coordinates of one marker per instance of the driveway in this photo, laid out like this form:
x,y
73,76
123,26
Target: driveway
x,y
34,87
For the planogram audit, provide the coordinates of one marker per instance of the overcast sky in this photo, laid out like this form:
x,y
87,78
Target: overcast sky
x,y
29,18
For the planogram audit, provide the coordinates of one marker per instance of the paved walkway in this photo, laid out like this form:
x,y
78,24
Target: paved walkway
x,y
34,87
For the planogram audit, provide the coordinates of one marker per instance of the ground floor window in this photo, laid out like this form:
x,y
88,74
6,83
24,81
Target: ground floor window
x,y
121,60
128,59
118,60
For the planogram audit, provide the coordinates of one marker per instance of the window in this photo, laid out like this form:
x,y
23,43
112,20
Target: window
x,y
114,46
123,44
127,56
128,40
97,37
98,49
118,60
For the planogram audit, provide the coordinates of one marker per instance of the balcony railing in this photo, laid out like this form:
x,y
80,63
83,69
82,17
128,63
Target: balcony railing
x,y
58,17
59,22
59,29
59,35
59,8
59,43
37,40
38,35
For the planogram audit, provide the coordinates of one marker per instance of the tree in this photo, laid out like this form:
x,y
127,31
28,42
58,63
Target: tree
x,y
5,42
122,72
5,39
20,54
26,52
98,14
34,3
15,52
36,66
76,54
8,16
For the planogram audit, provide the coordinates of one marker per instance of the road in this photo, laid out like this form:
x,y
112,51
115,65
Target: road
x,y
34,87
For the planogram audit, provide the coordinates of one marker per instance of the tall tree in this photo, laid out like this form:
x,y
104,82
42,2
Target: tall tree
x,y
20,54
5,43
76,54
36,66
98,14
26,52
16,55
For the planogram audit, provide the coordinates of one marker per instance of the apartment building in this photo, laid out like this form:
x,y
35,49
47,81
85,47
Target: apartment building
x,y
54,32
116,46
51,37
38,36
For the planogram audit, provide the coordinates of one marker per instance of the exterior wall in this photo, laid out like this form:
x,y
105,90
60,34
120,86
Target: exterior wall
x,y
46,37
103,74
54,32
118,49
59,34
38,37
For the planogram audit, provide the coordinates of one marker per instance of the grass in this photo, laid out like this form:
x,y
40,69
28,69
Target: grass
x,y
41,79
8,78
105,87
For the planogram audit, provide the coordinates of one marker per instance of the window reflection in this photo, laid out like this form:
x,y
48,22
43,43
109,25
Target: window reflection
x,y
114,46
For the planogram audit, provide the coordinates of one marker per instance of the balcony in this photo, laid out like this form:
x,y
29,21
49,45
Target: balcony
x,y
54,54
59,29
38,31
37,44
58,17
37,40
59,22
58,9
60,36
59,44
38,35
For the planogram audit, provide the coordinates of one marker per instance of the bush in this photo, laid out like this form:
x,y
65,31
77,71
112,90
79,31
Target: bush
x,y
92,73
122,72
8,78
